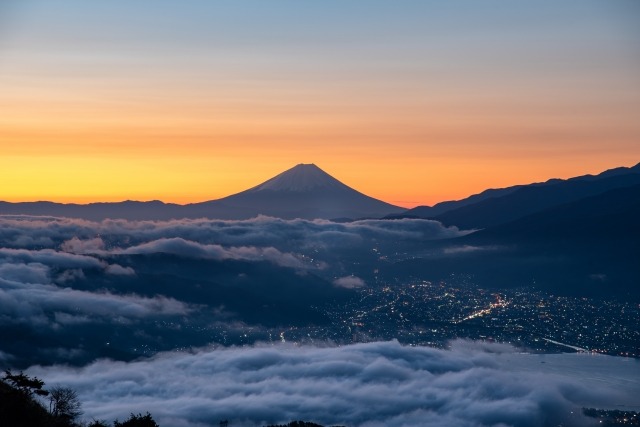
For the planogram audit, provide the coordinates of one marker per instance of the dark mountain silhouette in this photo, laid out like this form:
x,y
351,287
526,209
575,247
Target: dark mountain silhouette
x,y
610,215
129,209
442,207
497,206
588,247
304,191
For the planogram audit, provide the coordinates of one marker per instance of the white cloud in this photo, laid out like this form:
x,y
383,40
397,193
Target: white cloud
x,y
465,249
33,272
23,302
79,236
349,282
78,246
120,270
50,257
181,247
368,385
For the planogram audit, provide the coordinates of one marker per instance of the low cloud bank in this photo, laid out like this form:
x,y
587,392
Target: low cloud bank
x,y
369,385
69,248
349,282
465,249
185,248
31,302
81,236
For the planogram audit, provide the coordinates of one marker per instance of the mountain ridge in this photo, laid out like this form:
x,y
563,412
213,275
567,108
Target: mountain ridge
x,y
495,206
449,205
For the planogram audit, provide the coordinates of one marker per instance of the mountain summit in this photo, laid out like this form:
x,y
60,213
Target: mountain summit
x,y
301,178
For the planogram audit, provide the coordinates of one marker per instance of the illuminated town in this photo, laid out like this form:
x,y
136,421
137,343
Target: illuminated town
x,y
434,314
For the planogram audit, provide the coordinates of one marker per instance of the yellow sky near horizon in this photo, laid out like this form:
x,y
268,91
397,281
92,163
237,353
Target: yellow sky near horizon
x,y
100,147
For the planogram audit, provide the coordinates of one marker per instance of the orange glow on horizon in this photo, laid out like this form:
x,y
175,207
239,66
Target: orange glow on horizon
x,y
97,147
188,179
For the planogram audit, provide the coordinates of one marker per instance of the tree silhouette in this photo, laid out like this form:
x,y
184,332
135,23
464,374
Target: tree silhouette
x,y
18,405
299,424
64,404
137,421
21,406
25,384
98,423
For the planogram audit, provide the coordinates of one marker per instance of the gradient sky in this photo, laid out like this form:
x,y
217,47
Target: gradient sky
x,y
413,102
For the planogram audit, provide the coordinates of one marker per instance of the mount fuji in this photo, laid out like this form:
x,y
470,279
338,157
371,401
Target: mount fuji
x,y
304,191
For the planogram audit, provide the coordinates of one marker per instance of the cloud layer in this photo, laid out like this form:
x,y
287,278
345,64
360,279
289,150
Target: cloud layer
x,y
45,232
298,244
30,301
374,384
124,289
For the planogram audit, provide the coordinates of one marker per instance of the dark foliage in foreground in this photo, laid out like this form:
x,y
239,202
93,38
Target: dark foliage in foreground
x,y
137,421
299,424
19,406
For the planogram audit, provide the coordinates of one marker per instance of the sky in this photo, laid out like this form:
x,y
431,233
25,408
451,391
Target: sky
x,y
412,102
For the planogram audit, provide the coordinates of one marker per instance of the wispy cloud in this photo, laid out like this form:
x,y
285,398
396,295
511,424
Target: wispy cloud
x,y
466,249
349,282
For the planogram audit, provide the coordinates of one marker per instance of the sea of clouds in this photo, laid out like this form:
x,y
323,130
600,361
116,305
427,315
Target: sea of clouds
x,y
263,231
372,384
65,243
41,257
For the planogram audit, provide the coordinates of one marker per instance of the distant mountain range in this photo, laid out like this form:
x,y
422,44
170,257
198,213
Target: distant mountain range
x,y
304,191
498,206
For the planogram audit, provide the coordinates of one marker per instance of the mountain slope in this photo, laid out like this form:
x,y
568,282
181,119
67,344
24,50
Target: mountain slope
x,y
490,207
610,215
304,191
